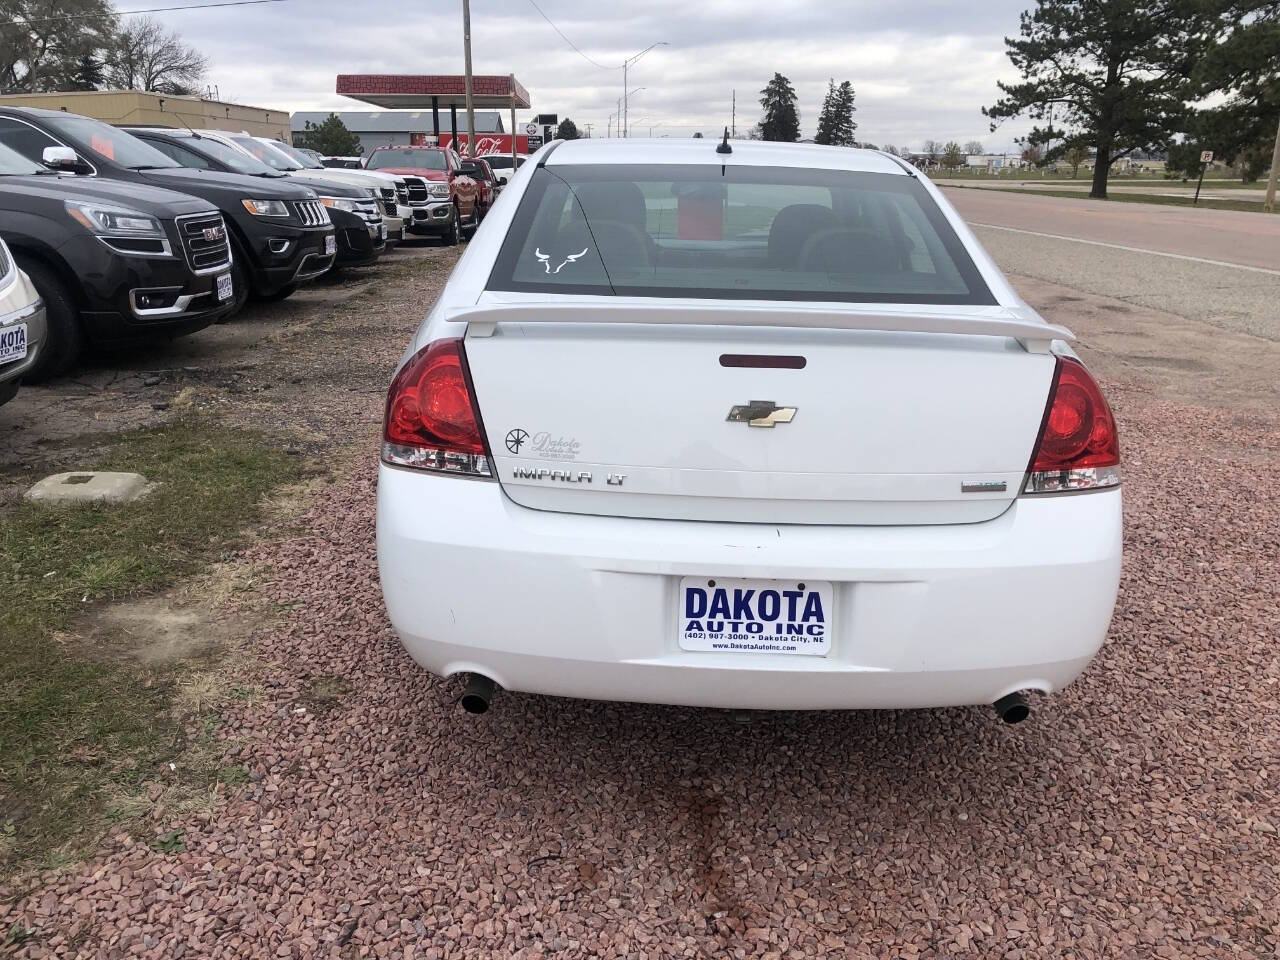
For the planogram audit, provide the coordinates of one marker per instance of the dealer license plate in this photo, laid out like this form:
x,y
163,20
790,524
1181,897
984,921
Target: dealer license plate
x,y
13,343
755,616
224,287
382,228
330,245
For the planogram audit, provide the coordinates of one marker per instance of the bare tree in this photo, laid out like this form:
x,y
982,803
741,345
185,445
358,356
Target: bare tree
x,y
975,147
932,149
146,56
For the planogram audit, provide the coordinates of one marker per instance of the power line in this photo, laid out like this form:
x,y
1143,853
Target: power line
x,y
568,41
130,13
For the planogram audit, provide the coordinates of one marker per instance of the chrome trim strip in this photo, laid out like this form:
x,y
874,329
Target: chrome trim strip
x,y
328,262
165,254
22,313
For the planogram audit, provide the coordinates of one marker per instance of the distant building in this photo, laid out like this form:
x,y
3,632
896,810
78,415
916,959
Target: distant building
x,y
994,161
137,108
393,128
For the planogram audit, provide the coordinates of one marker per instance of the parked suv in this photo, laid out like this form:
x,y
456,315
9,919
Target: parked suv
x,y
21,325
114,262
279,230
356,214
392,192
453,195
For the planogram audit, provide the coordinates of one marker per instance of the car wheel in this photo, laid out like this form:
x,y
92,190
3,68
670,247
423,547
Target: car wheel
x,y
239,285
64,337
284,293
454,236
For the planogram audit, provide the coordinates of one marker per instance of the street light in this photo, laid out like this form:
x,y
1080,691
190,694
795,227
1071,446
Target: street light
x,y
622,102
625,64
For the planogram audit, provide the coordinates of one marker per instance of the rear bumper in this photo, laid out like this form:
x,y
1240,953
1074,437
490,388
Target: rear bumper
x,y
585,606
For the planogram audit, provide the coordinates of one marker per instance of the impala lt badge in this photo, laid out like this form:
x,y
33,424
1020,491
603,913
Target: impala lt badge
x,y
761,413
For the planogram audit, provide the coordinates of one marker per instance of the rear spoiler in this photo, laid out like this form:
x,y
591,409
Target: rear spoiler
x,y
1021,324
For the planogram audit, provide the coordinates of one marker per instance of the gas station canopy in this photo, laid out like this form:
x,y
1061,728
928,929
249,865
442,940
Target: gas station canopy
x,y
425,91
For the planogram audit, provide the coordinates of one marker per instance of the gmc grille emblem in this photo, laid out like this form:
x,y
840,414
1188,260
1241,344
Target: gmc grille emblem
x,y
213,233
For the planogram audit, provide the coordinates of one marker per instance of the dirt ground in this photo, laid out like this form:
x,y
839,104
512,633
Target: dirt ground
x,y
1135,815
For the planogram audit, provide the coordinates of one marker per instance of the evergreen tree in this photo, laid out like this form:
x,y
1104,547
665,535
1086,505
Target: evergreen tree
x,y
1116,71
836,125
331,138
781,121
1245,67
568,130
88,74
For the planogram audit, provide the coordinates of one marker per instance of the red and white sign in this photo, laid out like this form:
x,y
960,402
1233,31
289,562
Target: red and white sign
x,y
487,144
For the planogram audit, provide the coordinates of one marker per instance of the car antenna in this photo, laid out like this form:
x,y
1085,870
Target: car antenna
x,y
723,146
188,126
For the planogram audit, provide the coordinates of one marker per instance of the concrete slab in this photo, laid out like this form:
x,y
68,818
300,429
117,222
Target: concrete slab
x,y
89,486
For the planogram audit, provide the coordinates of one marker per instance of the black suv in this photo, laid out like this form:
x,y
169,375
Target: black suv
x,y
114,262
279,230
356,214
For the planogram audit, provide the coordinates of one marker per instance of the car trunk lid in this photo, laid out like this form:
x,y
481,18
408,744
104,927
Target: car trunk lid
x,y
777,413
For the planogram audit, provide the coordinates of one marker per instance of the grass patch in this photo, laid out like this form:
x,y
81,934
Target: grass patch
x,y
1160,199
79,729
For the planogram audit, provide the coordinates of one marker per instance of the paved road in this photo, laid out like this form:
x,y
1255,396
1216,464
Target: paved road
x,y
1212,190
1251,239
1208,266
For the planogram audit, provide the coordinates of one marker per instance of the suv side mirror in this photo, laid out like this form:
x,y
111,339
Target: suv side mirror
x,y
62,158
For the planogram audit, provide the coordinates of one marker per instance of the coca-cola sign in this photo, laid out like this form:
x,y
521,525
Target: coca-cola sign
x,y
488,144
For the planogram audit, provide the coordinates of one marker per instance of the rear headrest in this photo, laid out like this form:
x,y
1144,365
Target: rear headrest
x,y
848,250
620,202
794,225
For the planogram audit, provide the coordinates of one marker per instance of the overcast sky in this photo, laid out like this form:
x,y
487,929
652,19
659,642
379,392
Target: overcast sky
x,y
922,68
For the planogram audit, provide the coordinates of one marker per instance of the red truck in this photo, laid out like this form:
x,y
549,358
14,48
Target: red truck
x,y
448,202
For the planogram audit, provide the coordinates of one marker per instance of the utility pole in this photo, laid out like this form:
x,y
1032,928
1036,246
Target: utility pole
x,y
1270,205
589,126
466,56
734,123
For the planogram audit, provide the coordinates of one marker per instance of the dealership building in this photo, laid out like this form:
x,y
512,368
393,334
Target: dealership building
x,y
137,108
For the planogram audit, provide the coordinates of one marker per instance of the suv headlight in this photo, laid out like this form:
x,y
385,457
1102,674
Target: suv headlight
x,y
117,221
438,188
340,203
266,208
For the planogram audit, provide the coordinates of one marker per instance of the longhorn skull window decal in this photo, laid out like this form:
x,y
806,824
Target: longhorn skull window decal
x,y
545,259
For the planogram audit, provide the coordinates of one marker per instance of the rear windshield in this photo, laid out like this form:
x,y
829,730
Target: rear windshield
x,y
761,233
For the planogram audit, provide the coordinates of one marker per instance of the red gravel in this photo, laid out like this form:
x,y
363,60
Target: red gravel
x,y
1133,816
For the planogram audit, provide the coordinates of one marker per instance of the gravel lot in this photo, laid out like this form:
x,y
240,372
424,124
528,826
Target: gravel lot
x,y
1136,815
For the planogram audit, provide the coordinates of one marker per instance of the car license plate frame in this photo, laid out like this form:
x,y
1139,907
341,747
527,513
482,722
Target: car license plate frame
x,y
13,343
225,288
330,245
754,616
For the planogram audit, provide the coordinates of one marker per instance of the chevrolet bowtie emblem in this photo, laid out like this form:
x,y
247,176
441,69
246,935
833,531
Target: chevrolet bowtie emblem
x,y
761,413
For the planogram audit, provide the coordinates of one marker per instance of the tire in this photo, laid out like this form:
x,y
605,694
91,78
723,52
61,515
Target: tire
x,y
284,293
64,337
454,236
239,284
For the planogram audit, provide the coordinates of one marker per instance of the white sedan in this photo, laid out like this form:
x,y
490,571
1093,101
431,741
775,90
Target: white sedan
x,y
745,425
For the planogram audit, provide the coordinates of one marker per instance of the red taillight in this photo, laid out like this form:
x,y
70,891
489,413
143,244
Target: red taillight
x,y
432,422
1079,446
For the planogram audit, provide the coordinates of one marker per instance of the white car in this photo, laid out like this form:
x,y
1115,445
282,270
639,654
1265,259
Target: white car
x,y
501,163
762,429
22,324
